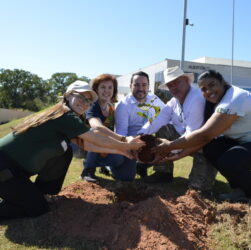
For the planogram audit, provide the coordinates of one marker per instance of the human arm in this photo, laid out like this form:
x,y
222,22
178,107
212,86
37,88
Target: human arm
x,y
215,126
96,123
162,119
94,137
121,119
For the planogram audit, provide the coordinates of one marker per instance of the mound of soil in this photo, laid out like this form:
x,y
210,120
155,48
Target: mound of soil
x,y
130,218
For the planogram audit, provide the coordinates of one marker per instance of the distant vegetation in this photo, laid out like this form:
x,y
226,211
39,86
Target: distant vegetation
x,y
20,89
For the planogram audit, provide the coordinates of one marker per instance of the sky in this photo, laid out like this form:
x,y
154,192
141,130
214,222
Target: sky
x,y
91,37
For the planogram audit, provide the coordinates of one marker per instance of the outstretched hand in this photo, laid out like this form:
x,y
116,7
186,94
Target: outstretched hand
x,y
162,149
134,142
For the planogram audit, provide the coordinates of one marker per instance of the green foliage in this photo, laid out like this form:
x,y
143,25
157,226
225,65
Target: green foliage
x,y
21,89
146,107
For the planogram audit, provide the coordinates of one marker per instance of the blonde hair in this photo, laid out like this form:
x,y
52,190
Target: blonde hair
x,y
35,120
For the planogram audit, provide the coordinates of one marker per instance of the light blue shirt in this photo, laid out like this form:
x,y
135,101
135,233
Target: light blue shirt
x,y
185,118
127,121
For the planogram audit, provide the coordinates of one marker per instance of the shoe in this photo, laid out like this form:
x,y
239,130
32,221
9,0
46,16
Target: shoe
x,y
89,175
236,195
105,170
159,177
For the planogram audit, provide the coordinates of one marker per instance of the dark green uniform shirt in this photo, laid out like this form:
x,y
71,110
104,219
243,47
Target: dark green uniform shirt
x,y
33,148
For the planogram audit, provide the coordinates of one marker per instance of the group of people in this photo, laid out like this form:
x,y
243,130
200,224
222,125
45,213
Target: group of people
x,y
211,123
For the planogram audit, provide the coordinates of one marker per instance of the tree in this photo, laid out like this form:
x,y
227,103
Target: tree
x,y
21,89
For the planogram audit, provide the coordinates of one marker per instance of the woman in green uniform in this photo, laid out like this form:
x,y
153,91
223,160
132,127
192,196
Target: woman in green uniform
x,y
40,146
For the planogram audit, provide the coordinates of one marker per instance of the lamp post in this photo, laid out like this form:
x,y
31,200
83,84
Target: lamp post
x,y
185,23
232,61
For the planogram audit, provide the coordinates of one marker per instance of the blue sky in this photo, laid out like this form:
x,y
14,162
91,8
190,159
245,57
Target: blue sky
x,y
90,37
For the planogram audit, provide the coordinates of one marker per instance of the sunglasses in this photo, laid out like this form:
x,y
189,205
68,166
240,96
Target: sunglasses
x,y
82,98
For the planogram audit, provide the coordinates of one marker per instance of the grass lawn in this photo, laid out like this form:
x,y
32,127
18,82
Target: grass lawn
x,y
225,234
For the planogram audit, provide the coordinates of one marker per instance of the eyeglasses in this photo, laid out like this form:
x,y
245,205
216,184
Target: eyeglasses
x,y
82,98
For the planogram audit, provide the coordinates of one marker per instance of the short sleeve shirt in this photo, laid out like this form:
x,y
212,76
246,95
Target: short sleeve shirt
x,y
33,148
237,101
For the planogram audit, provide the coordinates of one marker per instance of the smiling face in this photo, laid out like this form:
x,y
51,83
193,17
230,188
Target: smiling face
x,y
105,91
79,102
212,89
179,88
140,88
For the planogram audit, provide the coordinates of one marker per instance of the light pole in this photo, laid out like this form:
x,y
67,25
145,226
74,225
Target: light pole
x,y
185,23
183,35
232,62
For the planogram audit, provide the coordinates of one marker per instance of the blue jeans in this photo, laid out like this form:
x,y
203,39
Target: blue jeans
x,y
122,168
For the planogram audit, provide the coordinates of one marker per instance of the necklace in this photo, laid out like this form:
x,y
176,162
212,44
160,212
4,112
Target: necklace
x,y
104,108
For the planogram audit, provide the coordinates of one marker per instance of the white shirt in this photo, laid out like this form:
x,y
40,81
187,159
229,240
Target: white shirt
x,y
185,118
127,121
237,101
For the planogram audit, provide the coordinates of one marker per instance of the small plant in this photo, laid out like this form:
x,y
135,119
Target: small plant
x,y
146,107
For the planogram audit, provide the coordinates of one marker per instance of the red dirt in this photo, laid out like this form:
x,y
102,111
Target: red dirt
x,y
125,218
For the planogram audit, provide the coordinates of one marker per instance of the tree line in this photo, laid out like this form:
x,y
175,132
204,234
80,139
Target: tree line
x,y
20,89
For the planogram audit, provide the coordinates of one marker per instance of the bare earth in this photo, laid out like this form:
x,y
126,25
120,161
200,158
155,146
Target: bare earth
x,y
127,218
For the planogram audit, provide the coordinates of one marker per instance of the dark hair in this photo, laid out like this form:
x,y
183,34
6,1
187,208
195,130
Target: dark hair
x,y
212,74
102,78
140,73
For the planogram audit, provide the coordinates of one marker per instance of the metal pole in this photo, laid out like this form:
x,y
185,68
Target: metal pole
x,y
183,35
232,63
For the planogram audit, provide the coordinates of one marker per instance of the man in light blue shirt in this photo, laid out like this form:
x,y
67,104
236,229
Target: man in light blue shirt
x,y
127,121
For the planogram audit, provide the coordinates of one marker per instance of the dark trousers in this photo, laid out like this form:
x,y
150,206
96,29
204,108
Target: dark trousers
x,y
233,160
23,198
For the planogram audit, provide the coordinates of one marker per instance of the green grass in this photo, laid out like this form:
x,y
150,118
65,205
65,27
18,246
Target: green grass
x,y
224,234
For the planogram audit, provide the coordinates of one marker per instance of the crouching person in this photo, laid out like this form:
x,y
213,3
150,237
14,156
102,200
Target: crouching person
x,y
40,145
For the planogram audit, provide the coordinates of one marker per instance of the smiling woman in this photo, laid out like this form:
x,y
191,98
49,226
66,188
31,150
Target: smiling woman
x,y
40,145
225,137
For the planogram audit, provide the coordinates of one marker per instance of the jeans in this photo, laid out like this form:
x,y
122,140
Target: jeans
x,y
122,168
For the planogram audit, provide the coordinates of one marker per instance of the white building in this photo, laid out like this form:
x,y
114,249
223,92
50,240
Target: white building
x,y
241,72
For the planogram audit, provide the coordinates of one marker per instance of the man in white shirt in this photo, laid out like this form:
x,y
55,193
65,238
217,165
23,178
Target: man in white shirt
x,y
127,121
181,115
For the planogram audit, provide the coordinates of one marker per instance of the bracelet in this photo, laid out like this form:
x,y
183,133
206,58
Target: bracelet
x,y
123,139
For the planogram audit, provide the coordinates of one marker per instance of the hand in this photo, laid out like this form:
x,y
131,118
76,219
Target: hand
x,y
174,156
162,149
134,143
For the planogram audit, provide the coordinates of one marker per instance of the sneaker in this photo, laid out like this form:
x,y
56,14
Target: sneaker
x,y
89,178
89,175
159,177
236,195
105,170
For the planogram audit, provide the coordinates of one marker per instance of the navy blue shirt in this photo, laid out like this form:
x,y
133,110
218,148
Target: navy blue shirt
x,y
95,111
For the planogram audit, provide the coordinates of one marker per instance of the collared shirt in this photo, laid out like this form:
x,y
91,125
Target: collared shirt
x,y
127,121
185,118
